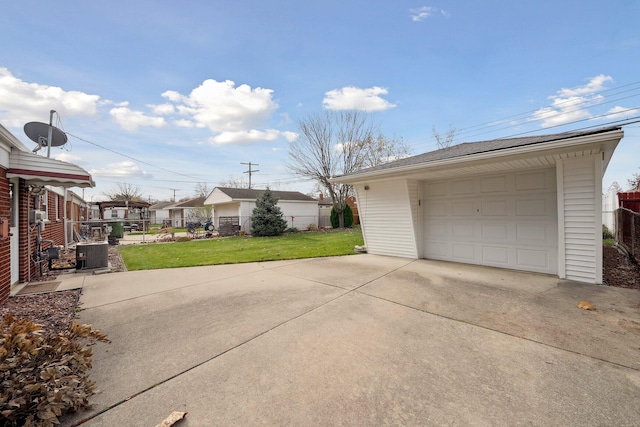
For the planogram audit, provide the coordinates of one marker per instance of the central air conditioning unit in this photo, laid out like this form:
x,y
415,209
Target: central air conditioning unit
x,y
92,255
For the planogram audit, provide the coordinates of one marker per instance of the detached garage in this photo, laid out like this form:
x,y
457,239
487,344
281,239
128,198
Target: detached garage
x,y
531,203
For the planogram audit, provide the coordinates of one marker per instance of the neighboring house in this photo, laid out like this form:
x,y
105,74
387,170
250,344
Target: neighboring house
x,y
191,210
123,210
159,212
235,205
31,186
531,203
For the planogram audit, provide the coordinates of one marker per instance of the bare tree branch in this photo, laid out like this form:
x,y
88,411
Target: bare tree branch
x,y
335,143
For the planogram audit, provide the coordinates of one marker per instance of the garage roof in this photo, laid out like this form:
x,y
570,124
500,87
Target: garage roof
x,y
491,155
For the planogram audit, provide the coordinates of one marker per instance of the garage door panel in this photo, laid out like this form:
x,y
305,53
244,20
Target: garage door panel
x,y
463,208
463,231
531,181
538,233
504,220
494,208
537,260
437,209
464,252
494,231
532,207
493,184
492,255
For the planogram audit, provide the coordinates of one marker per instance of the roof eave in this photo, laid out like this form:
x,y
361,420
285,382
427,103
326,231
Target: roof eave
x,y
497,155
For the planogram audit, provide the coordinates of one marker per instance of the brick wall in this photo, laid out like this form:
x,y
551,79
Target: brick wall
x,y
5,246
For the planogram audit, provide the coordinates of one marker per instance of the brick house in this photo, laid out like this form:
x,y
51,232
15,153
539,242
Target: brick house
x,y
31,184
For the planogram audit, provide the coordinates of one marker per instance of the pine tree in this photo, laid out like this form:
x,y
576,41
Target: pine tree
x,y
267,218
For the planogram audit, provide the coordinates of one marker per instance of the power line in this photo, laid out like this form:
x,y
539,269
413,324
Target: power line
x,y
131,158
494,125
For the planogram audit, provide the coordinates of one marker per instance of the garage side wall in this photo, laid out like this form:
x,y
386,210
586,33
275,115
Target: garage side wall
x,y
580,218
388,214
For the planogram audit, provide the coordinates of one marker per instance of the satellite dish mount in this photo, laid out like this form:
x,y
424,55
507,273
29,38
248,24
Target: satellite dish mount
x,y
45,135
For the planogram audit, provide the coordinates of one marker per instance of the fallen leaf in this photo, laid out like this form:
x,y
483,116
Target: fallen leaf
x,y
173,418
585,305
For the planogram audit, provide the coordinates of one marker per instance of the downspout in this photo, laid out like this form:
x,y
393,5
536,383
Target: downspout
x,y
64,220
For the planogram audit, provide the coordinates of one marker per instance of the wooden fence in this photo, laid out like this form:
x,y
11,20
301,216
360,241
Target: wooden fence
x,y
628,231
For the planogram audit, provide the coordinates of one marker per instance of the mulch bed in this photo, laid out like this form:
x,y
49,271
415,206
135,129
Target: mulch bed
x,y
619,270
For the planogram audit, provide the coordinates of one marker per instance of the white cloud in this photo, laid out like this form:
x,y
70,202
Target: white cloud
x,y
569,105
224,108
22,102
354,98
289,136
131,120
163,109
127,169
69,158
621,112
421,13
246,137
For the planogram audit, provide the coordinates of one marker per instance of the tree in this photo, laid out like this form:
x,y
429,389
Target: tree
x,y
634,182
348,218
233,182
336,143
446,140
124,192
201,189
267,218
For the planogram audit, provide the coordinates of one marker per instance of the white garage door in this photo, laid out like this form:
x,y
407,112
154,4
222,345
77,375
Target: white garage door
x,y
504,220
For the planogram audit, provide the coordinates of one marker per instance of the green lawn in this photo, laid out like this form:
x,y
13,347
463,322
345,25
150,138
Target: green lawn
x,y
239,249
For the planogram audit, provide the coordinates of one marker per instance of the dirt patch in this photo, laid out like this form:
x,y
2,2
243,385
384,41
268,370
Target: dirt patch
x,y
618,270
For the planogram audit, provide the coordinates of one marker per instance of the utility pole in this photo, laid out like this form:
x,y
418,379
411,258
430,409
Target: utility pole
x,y
174,193
250,171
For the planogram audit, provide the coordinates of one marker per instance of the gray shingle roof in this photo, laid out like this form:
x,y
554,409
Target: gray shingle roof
x,y
252,194
198,202
469,148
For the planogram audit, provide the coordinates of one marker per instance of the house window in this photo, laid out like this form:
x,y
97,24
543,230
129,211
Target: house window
x,y
114,213
57,207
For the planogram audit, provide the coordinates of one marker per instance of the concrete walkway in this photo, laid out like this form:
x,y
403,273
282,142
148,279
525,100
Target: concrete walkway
x,y
360,340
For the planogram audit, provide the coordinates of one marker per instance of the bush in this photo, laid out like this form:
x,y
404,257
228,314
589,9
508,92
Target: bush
x,y
348,218
44,376
312,227
292,230
606,233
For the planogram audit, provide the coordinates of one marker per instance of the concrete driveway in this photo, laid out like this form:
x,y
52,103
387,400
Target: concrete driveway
x,y
360,340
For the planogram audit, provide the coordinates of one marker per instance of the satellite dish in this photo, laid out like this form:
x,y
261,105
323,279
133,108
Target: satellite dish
x,y
39,132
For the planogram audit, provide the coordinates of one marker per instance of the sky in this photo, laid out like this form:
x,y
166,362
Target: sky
x,y
164,95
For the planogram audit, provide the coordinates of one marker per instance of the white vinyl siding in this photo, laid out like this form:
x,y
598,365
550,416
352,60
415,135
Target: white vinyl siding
x,y
385,211
504,220
581,219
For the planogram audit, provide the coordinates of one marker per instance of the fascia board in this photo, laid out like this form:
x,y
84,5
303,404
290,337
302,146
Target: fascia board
x,y
552,147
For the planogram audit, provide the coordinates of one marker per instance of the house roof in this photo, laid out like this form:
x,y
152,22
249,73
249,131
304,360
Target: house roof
x,y
495,150
198,202
160,206
253,194
39,170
